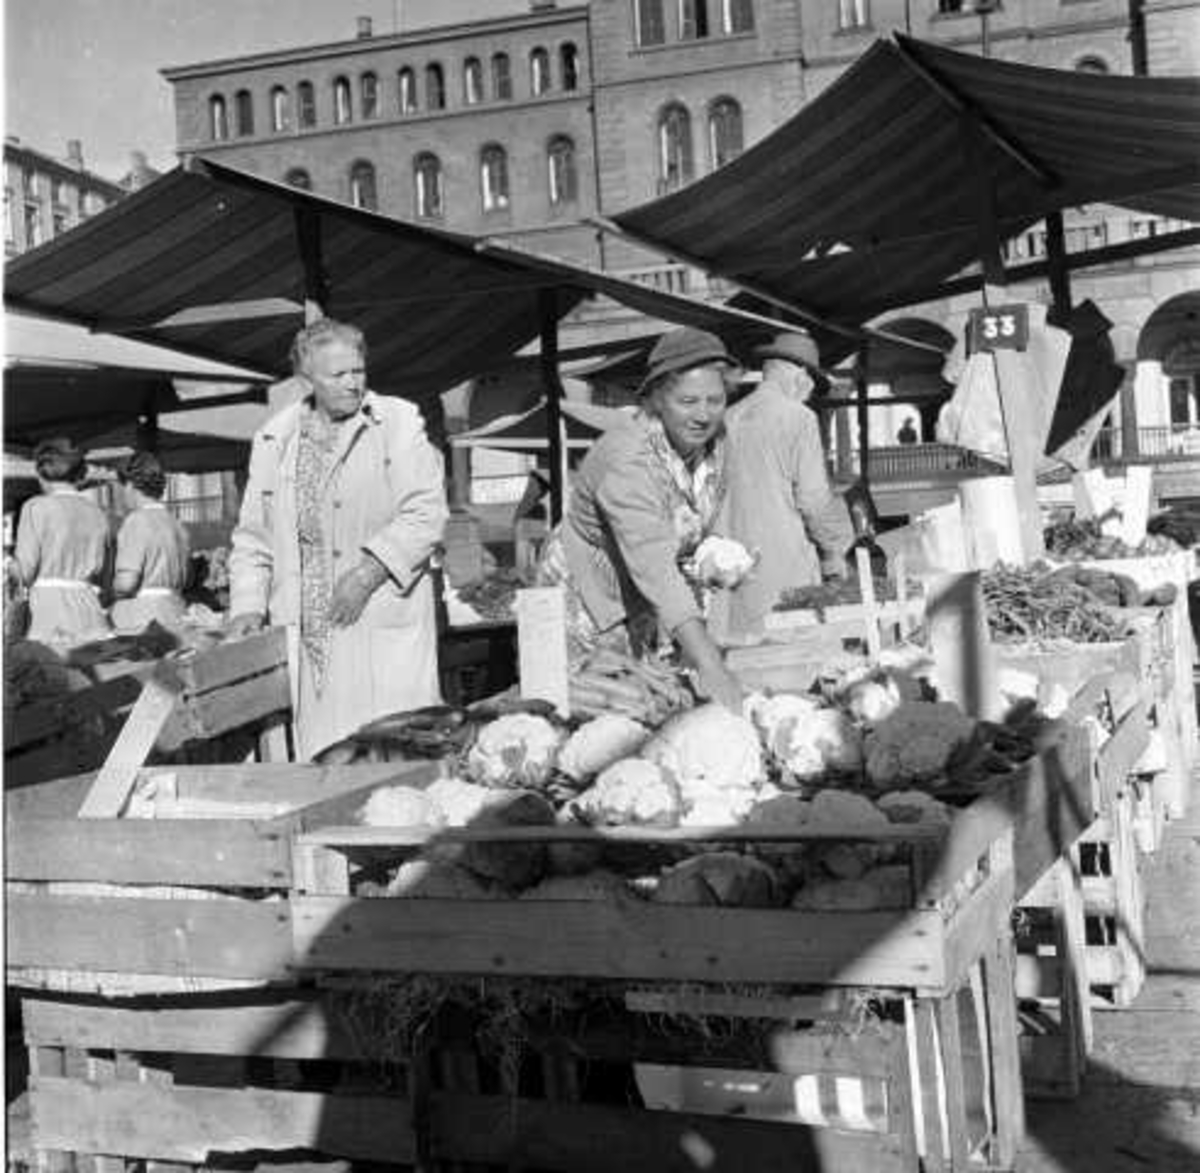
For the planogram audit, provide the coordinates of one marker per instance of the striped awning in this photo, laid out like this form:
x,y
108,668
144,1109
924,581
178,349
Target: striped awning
x,y
871,195
211,261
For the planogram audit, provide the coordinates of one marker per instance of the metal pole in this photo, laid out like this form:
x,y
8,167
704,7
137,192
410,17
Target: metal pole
x,y
552,388
863,415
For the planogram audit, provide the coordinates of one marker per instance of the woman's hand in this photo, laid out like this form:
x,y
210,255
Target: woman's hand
x,y
247,623
713,679
718,684
353,589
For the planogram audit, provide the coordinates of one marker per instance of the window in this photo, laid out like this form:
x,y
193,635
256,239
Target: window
x,y
493,177
852,14
435,87
1184,402
539,71
58,221
10,223
724,131
218,120
427,183
362,186
737,16
280,113
368,89
693,19
406,90
343,108
501,77
57,191
949,7
33,225
569,61
564,183
1091,64
29,183
298,178
306,103
472,81
674,147
243,105
651,27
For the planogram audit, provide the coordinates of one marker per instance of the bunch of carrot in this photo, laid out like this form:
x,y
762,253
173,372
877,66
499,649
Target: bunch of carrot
x,y
613,682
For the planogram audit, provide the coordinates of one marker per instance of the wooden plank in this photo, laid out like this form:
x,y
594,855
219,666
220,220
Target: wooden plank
x,y
192,938
113,784
206,715
634,940
235,660
1000,1006
976,926
1117,757
213,852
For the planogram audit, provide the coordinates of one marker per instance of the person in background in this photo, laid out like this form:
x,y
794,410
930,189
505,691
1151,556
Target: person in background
x,y
62,545
645,496
151,568
780,503
907,433
344,507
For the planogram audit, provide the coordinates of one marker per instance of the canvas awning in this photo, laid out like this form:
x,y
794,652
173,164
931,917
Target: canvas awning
x,y
527,431
217,263
871,195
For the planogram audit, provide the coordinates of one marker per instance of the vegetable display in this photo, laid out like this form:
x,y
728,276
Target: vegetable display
x,y
1033,603
1084,540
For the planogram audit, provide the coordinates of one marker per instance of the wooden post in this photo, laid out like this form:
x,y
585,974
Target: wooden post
x,y
552,388
956,620
1056,259
316,286
863,416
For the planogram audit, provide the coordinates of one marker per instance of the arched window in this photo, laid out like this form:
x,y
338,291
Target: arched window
x,y
218,120
427,185
368,89
737,16
298,178
1091,64
568,57
724,131
343,107
281,113
560,159
651,27
435,87
362,186
693,20
493,177
539,71
472,81
243,105
306,105
501,77
674,147
406,90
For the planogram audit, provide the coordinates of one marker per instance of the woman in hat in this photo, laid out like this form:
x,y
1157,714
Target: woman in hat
x,y
644,498
62,542
151,566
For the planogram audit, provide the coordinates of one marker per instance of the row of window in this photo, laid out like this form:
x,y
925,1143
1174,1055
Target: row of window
x,y
658,21
476,88
676,152
429,185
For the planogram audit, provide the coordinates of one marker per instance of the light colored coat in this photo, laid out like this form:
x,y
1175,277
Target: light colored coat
x,y
384,494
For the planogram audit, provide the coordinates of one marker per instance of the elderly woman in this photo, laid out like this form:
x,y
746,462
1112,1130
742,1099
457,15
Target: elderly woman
x,y
151,567
62,543
644,498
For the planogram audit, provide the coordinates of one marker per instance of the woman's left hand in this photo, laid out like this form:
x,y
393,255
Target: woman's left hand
x,y
352,591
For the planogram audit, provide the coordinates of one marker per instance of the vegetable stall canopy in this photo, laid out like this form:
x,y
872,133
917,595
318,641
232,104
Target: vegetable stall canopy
x,y
871,195
217,263
526,431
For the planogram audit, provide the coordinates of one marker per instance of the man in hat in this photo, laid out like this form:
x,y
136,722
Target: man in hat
x,y
779,501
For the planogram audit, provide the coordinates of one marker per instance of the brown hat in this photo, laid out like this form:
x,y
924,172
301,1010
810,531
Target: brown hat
x,y
792,346
680,350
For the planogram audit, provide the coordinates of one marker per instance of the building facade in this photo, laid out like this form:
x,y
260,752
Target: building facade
x,y
531,126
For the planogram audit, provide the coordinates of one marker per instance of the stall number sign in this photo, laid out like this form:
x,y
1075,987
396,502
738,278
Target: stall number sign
x,y
1001,327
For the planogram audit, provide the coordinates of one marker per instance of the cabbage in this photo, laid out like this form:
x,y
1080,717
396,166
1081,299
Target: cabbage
x,y
514,751
599,743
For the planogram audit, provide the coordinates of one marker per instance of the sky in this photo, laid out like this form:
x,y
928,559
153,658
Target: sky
x,y
88,69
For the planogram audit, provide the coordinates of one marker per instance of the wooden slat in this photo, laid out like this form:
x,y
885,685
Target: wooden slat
x,y
228,662
642,941
203,852
194,938
232,706
1120,753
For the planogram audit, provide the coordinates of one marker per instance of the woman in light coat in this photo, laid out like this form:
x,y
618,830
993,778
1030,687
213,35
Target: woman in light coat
x,y
344,506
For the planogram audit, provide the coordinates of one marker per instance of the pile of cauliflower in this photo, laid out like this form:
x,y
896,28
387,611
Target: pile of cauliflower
x,y
786,761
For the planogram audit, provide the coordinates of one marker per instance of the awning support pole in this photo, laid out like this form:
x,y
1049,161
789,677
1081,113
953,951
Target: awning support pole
x,y
863,416
552,389
316,285
985,200
1056,261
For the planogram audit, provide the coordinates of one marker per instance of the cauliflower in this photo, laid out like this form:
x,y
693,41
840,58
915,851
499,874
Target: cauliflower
x,y
633,791
914,806
400,806
423,880
722,562
458,802
515,865
721,809
872,701
719,877
806,740
514,751
594,747
713,755
596,886
916,743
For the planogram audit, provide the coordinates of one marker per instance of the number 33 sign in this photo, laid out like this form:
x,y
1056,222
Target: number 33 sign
x,y
1002,327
